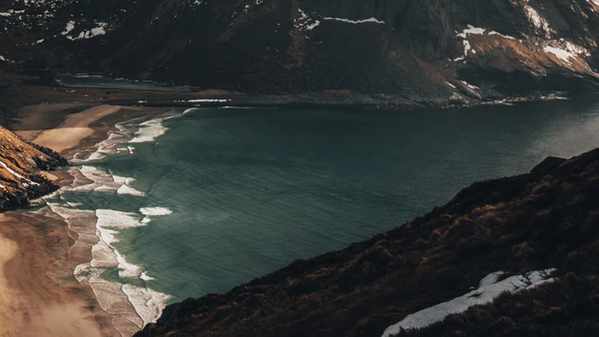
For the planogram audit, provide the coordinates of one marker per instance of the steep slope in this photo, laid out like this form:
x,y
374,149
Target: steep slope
x,y
545,219
20,164
425,51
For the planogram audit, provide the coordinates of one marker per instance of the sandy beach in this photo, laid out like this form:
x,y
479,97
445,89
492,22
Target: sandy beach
x,y
74,129
39,295
33,303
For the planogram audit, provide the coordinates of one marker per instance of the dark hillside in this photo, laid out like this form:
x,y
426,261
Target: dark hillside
x,y
426,52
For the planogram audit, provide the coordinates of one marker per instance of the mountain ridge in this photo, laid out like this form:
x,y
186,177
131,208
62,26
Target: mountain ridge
x,y
432,52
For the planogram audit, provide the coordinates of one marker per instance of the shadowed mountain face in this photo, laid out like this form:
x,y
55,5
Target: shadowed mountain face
x,y
426,51
546,219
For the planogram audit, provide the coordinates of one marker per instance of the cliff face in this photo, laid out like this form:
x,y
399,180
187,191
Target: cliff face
x,y
425,51
546,219
20,164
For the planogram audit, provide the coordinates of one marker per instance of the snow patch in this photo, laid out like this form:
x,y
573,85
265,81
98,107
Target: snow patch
x,y
559,53
471,30
541,25
355,22
488,290
100,29
566,50
472,87
503,36
305,22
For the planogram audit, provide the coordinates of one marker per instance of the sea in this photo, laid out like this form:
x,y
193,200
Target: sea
x,y
200,200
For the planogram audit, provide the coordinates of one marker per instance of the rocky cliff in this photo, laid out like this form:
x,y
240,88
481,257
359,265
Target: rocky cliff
x,y
427,52
546,219
20,170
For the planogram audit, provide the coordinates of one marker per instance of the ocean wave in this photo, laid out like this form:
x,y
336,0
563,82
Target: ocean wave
x,y
124,189
132,305
155,211
150,212
150,130
148,303
111,145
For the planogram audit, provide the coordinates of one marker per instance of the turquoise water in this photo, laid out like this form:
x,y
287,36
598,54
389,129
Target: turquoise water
x,y
252,190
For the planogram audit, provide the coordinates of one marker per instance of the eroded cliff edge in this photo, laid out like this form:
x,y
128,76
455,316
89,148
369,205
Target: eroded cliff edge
x,y
548,218
21,170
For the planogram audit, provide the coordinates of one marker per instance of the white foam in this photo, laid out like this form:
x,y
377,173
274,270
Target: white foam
x,y
98,177
113,300
108,218
103,182
131,306
155,211
130,191
122,180
104,253
208,100
127,269
147,302
150,130
144,276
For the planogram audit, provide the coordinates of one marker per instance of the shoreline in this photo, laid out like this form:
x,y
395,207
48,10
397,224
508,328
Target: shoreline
x,y
41,91
92,126
39,293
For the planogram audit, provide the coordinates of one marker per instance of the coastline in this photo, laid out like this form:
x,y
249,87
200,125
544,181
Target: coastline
x,y
40,251
81,301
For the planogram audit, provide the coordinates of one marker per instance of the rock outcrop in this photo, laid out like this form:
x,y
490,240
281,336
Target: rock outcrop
x,y
536,221
21,166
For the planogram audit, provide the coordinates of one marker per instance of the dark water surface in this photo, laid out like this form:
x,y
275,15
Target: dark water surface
x,y
252,190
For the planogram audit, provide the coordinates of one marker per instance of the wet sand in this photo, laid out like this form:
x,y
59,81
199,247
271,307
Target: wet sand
x,y
74,129
35,298
39,295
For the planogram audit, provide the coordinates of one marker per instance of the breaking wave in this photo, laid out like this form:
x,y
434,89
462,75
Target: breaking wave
x,y
128,297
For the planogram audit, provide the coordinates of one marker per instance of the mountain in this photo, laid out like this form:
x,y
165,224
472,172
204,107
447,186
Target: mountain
x,y
416,52
544,220
20,166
